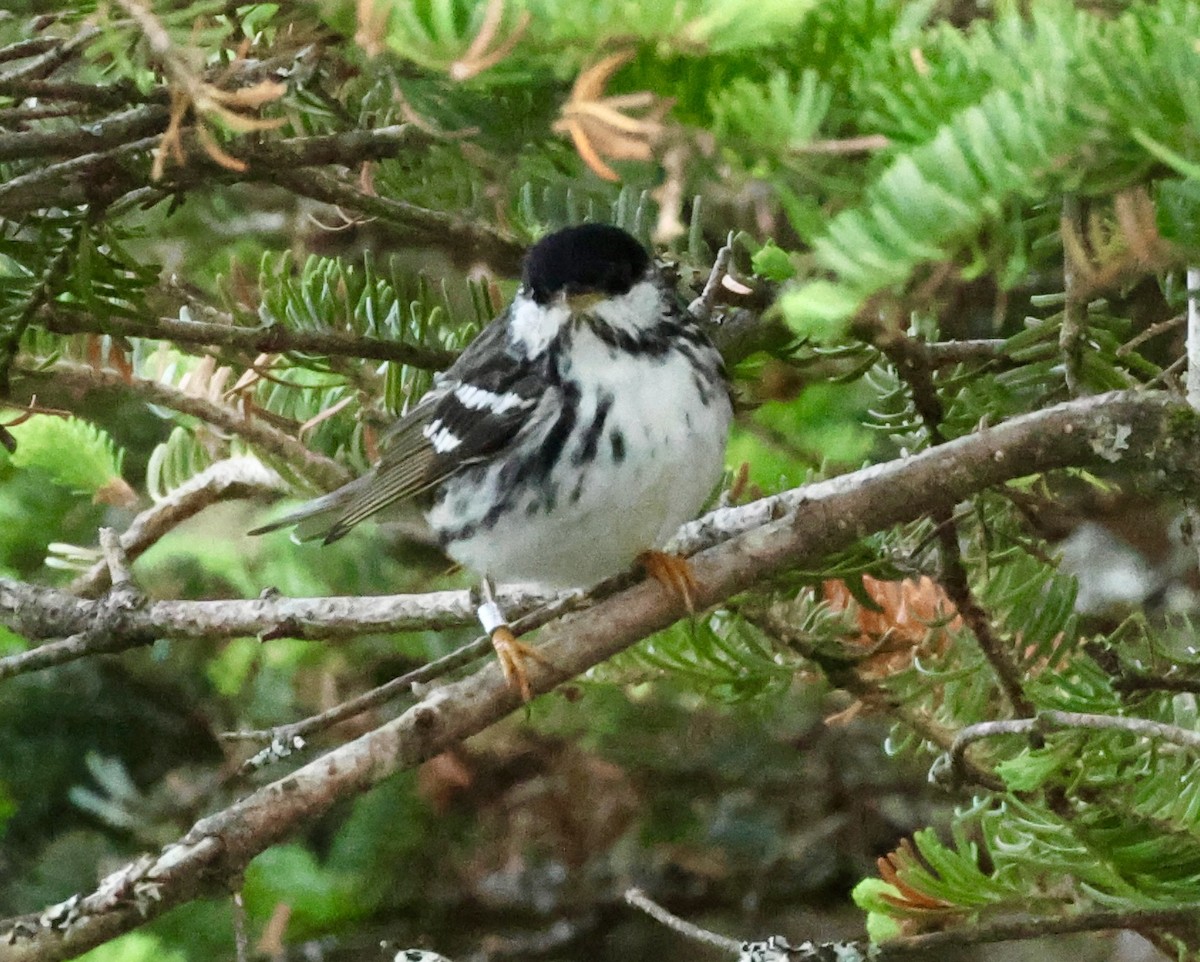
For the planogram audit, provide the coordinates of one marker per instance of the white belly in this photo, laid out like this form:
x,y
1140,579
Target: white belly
x,y
656,461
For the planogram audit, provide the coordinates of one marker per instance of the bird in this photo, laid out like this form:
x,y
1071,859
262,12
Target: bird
x,y
569,440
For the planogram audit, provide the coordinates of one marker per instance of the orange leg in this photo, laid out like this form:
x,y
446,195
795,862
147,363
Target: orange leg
x,y
511,653
673,572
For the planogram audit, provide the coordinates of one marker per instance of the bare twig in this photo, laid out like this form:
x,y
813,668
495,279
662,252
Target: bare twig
x,y
240,477
323,471
115,559
702,307
640,900
1135,683
949,353
1160,327
50,59
408,682
30,47
117,95
100,135
873,693
912,364
1074,317
1020,928
845,145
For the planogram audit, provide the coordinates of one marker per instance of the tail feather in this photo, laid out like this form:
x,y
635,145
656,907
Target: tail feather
x,y
316,519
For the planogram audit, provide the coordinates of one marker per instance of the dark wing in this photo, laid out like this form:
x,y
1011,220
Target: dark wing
x,y
473,411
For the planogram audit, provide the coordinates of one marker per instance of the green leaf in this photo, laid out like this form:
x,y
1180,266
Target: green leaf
x,y
773,263
820,310
77,455
1028,771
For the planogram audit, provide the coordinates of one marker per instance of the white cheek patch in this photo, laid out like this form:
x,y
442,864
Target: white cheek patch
x,y
441,437
640,309
479,399
533,327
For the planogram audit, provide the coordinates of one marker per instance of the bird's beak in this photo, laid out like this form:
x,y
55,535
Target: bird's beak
x,y
582,301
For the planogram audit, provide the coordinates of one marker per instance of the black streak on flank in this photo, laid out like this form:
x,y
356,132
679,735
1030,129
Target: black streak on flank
x,y
617,440
591,436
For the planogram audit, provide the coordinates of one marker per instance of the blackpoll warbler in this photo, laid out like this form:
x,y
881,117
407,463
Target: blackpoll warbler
x,y
572,437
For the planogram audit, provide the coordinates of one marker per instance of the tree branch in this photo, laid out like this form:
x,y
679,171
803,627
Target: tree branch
x,y
79,139
954,762
226,480
470,240
1140,430
257,340
323,471
1019,928
105,175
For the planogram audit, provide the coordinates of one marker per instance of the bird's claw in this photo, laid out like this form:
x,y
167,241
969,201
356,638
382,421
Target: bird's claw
x,y
673,572
512,655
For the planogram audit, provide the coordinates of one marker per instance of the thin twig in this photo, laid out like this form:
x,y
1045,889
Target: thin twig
x,y
949,353
30,47
115,559
912,364
276,339
869,691
640,900
1021,928
844,145
10,345
324,472
472,240
120,128
1074,317
1160,327
1051,721
1135,683
404,684
240,477
116,95
702,307
44,64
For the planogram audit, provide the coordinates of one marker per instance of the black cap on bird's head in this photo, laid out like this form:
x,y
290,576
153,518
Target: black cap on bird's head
x,y
586,260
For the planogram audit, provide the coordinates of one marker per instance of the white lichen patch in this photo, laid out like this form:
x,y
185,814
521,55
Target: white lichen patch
x,y
1112,442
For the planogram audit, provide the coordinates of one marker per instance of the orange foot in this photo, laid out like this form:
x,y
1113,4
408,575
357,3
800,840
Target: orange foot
x,y
674,573
512,654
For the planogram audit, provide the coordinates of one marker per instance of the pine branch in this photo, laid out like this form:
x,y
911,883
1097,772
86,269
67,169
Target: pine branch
x,y
104,176
471,241
114,96
912,364
324,472
1140,430
871,692
254,340
954,763
100,135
